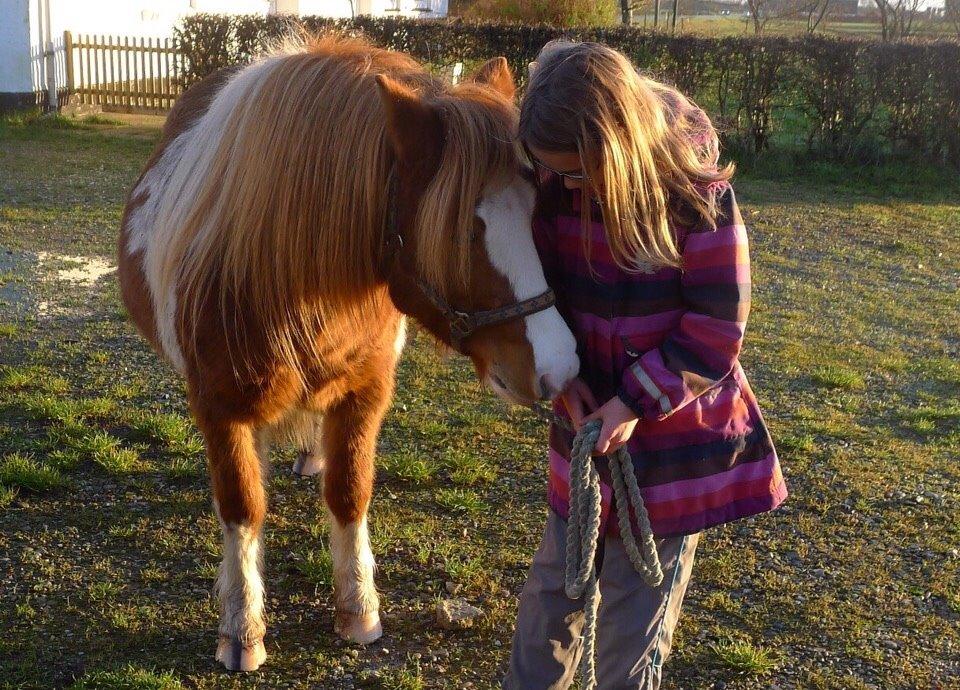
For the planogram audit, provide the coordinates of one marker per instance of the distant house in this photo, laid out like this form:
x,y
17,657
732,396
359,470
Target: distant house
x,y
31,31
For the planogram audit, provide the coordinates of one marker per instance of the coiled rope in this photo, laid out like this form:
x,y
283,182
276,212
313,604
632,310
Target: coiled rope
x,y
583,531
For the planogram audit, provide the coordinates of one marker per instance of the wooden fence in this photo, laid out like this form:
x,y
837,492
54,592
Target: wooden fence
x,y
122,73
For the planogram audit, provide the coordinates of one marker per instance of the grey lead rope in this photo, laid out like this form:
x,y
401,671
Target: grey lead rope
x,y
583,531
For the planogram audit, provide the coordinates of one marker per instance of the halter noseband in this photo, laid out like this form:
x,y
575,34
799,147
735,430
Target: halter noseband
x,y
462,323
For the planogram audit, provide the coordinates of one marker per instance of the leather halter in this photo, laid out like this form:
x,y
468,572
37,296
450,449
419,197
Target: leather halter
x,y
462,323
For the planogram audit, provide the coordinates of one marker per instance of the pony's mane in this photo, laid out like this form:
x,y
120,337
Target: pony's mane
x,y
279,202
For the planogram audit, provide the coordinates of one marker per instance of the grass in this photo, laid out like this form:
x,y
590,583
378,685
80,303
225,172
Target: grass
x,y
128,678
316,565
742,657
460,500
837,377
111,542
23,472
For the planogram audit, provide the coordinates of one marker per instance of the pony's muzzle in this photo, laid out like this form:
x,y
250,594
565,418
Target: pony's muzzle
x,y
548,389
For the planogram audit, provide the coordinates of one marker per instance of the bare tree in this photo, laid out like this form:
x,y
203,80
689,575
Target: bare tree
x,y
814,11
763,11
760,13
897,17
952,14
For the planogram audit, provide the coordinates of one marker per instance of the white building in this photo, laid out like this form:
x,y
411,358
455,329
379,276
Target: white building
x,y
31,31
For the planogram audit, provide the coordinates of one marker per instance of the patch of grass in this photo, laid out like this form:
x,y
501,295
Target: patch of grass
x,y
50,408
22,471
154,575
472,573
802,443
64,459
31,377
100,120
409,466
720,601
35,119
8,494
316,565
180,469
75,443
175,432
408,677
467,469
835,376
930,420
8,330
461,500
25,611
101,591
104,450
744,658
128,678
125,391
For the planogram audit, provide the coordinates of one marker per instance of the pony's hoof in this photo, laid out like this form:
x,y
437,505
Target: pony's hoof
x,y
233,654
308,464
359,629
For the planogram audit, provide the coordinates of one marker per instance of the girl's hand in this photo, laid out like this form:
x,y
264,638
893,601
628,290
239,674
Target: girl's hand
x,y
578,400
619,421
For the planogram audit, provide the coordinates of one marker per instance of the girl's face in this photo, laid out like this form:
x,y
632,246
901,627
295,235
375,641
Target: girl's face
x,y
566,164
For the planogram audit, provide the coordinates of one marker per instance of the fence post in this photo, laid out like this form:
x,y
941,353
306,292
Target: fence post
x,y
68,61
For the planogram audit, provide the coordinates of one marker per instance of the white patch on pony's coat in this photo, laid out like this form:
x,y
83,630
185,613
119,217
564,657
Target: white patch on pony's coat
x,y
173,186
240,585
152,187
353,567
508,216
401,340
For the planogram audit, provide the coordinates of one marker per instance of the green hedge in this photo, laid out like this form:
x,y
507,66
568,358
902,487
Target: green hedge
x,y
845,98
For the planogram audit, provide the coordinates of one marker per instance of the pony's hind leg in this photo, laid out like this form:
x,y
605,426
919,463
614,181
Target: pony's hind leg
x,y
309,460
235,467
350,431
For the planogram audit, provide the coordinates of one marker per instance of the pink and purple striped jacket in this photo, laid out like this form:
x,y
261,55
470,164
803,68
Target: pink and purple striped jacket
x,y
667,343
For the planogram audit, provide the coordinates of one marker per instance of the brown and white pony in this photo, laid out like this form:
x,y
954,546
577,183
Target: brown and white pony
x,y
294,211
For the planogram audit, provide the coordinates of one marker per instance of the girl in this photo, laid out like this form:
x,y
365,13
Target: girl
x,y
641,240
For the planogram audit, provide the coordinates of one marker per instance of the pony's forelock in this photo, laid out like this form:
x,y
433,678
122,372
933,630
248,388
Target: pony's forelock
x,y
479,152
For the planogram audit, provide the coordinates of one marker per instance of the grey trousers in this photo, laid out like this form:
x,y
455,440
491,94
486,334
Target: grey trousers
x,y
635,623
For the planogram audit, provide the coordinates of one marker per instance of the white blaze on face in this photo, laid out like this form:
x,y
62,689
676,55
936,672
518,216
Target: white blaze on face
x,y
508,215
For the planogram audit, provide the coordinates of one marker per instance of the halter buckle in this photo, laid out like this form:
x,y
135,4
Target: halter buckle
x,y
461,324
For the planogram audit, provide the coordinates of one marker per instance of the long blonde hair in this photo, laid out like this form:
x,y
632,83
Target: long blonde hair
x,y
650,155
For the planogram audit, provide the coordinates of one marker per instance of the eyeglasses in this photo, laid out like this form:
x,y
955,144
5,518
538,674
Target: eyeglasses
x,y
540,165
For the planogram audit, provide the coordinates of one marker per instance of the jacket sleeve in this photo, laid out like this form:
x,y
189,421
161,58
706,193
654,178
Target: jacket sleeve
x,y
704,347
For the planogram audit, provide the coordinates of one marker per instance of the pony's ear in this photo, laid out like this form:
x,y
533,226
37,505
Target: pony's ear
x,y
497,73
412,124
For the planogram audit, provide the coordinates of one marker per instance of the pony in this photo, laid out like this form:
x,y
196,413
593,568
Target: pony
x,y
294,213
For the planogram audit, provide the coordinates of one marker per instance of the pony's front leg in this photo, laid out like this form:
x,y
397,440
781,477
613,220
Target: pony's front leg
x,y
349,433
235,469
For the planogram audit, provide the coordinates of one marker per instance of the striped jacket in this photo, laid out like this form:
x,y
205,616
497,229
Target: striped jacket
x,y
667,343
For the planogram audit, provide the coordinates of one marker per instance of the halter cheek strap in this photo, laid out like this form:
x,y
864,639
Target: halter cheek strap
x,y
462,323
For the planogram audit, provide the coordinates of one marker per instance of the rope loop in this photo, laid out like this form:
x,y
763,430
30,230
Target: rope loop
x,y
583,534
